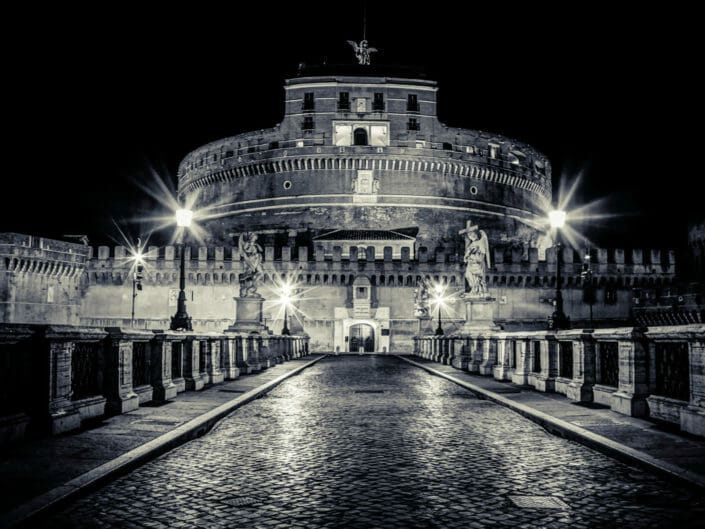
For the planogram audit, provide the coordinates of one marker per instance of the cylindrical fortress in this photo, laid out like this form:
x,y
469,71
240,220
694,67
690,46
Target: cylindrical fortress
x,y
359,152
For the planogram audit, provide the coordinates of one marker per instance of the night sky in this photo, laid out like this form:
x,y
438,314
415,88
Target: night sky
x,y
98,98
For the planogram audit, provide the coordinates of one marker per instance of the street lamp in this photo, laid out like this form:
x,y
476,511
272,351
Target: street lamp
x,y
285,299
558,320
181,321
588,290
137,276
439,302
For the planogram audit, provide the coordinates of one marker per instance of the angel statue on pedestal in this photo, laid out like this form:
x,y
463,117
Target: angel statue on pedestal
x,y
252,256
477,260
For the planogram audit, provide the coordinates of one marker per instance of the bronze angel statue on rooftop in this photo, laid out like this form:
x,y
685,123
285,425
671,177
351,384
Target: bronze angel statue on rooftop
x,y
362,51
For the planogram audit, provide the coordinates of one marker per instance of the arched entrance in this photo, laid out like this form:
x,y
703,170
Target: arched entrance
x,y
362,336
360,136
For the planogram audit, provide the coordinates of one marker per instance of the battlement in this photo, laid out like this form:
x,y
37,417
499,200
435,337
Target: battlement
x,y
27,254
511,268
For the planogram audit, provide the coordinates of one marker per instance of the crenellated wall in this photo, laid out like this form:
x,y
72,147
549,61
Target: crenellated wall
x,y
46,281
523,285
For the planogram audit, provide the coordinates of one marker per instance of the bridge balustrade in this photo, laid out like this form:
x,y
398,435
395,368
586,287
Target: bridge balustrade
x,y
657,373
54,377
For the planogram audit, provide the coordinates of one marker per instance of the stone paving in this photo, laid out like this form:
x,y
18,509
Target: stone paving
x,y
373,442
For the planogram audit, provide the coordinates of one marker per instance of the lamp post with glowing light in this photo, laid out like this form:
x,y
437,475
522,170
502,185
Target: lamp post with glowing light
x,y
137,277
439,302
588,290
181,321
558,320
285,298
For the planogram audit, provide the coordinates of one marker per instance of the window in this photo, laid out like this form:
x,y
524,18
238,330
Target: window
x,y
229,154
273,144
610,294
412,124
360,136
250,149
447,146
308,123
308,101
378,102
344,101
412,103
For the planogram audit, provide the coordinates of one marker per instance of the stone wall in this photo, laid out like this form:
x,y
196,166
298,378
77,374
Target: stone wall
x,y
41,280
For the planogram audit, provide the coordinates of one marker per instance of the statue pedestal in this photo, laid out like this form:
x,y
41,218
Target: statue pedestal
x,y
248,315
479,315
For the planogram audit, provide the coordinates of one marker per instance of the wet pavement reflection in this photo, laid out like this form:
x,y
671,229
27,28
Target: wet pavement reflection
x,y
370,441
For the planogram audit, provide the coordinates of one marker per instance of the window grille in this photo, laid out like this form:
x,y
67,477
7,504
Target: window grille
x,y
672,370
140,364
608,374
565,351
85,370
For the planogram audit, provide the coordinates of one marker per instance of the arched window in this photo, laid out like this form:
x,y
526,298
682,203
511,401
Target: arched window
x,y
360,136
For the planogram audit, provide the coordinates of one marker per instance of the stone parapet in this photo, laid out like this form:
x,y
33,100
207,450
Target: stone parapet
x,y
656,372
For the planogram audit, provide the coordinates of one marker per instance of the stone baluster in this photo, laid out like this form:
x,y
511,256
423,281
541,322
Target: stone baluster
x,y
546,380
633,388
163,387
501,369
213,373
487,346
193,377
229,354
580,389
522,368
461,354
117,379
693,416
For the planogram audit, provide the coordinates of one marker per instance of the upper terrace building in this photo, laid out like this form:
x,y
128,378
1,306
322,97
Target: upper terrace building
x,y
363,149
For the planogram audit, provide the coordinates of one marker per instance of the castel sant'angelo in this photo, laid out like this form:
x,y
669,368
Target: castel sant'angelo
x,y
360,195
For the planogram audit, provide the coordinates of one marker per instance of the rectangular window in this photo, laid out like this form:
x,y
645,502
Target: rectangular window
x,y
273,144
228,154
378,103
412,103
344,101
308,123
412,124
447,146
308,101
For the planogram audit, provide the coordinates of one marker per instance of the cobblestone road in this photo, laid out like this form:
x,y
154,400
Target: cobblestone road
x,y
372,442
